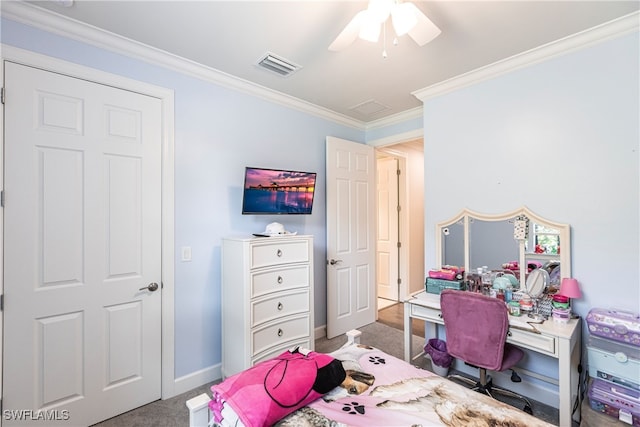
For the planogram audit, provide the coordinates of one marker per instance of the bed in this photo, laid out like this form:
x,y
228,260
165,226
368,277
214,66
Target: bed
x,y
399,394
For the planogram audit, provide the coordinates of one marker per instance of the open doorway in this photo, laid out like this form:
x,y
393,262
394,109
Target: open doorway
x,y
400,233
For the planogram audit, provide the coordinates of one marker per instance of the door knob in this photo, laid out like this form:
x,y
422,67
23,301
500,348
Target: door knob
x,y
334,261
152,287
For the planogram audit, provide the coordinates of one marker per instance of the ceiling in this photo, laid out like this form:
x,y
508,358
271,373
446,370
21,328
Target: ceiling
x,y
357,82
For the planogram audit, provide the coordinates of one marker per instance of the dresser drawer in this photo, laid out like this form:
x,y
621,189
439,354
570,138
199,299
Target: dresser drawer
x,y
279,279
538,342
279,305
279,349
275,334
277,252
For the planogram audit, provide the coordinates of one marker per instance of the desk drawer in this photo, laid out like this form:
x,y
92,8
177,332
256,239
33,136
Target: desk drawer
x,y
537,342
429,314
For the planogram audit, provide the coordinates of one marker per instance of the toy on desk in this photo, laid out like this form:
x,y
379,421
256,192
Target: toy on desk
x,y
447,272
473,282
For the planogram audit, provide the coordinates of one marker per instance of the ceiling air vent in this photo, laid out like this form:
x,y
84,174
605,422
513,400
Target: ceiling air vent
x,y
369,108
277,64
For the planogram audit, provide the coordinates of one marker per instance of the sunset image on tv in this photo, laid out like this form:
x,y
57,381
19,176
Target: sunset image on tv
x,y
271,191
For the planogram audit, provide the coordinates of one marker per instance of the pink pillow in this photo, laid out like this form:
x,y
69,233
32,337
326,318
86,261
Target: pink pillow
x,y
272,389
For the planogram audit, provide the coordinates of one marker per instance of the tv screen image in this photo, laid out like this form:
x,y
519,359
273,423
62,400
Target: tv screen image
x,y
278,192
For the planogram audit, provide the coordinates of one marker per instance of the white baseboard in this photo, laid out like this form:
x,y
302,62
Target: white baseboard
x,y
196,379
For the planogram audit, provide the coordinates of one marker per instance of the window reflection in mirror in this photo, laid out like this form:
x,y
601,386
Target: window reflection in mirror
x,y
543,248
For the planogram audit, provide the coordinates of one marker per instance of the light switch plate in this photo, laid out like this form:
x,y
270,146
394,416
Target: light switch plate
x,y
186,253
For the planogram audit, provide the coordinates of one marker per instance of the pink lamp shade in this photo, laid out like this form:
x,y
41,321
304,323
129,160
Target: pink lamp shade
x,y
569,287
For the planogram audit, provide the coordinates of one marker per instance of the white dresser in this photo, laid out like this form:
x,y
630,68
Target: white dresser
x,y
267,298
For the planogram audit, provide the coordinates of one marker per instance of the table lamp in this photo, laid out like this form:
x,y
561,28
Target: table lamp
x,y
570,288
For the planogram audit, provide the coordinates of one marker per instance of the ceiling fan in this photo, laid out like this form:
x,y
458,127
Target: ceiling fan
x,y
406,18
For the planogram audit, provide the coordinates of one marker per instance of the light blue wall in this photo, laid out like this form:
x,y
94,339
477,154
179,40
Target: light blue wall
x,y
561,137
217,133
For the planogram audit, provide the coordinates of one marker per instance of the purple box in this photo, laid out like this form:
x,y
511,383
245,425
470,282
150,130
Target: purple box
x,y
615,325
616,401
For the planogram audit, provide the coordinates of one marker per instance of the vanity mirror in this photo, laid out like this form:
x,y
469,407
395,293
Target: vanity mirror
x,y
519,241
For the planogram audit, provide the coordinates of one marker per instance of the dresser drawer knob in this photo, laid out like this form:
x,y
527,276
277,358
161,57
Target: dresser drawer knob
x,y
279,253
280,306
280,280
280,332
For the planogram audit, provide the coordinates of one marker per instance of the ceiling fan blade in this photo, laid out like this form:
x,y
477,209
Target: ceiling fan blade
x,y
349,34
425,30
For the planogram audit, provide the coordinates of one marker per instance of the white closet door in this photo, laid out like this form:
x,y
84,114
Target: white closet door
x,y
82,248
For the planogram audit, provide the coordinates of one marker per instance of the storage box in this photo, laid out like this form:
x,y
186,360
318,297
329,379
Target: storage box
x,y
616,401
615,325
435,286
615,362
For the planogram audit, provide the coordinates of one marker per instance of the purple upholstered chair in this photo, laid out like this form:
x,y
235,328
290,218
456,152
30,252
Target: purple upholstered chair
x,y
476,326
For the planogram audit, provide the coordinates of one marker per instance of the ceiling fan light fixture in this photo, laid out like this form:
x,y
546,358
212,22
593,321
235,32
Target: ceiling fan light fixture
x,y
403,18
379,10
369,28
425,30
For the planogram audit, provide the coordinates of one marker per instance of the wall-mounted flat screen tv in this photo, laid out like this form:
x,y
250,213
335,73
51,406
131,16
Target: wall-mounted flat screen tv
x,y
277,192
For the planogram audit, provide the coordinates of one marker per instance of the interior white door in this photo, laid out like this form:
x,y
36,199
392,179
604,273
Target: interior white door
x,y
82,249
387,250
351,222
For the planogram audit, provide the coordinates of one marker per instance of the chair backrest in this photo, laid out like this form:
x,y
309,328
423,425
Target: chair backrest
x,y
476,326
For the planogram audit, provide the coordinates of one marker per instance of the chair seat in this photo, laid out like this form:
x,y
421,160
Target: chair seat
x,y
512,355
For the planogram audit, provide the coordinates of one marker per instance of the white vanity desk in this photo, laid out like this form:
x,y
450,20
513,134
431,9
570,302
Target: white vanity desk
x,y
560,341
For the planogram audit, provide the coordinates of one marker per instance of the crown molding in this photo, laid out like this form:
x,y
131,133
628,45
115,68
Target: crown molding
x,y
607,31
70,28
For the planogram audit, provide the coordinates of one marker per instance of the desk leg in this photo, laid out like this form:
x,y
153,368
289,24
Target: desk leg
x,y
568,377
407,333
430,330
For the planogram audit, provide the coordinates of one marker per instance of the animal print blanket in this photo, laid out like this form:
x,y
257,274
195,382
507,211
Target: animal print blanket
x,y
383,391
404,395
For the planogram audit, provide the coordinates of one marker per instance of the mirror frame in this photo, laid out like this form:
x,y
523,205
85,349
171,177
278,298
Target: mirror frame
x,y
564,231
